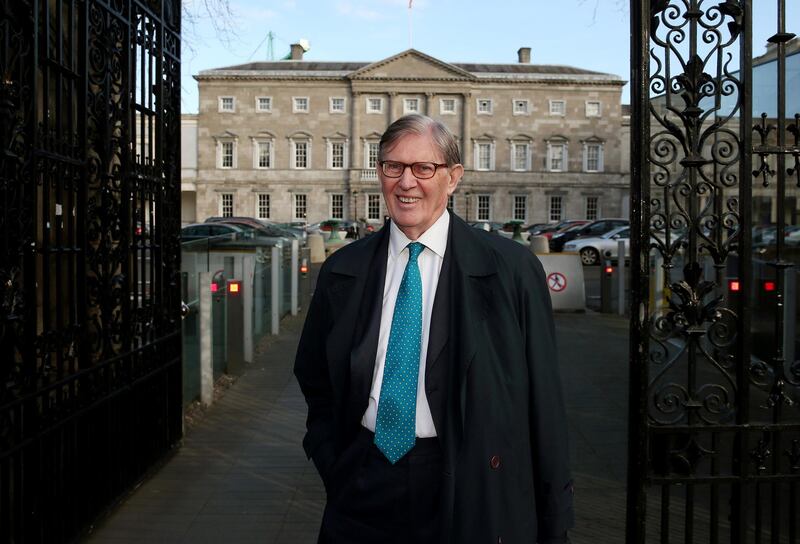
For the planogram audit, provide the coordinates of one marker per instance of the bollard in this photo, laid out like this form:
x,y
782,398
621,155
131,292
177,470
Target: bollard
x,y
206,331
235,327
276,290
621,276
605,287
539,245
295,272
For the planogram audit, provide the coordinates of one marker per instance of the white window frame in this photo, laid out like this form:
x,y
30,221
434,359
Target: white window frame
x,y
366,154
551,147
368,103
477,152
596,207
268,109
478,199
331,109
555,109
552,200
516,101
234,153
443,111
257,153
331,143
295,108
514,145
407,103
294,143
296,197
600,153
221,100
223,205
489,102
373,199
599,108
514,217
268,206
331,198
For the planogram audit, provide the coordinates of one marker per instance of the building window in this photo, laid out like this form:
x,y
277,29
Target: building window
x,y
484,156
227,104
264,104
520,156
337,206
557,156
556,208
337,151
226,150
301,152
593,157
373,207
484,207
592,108
374,104
410,105
447,106
226,204
520,210
262,210
300,207
337,105
300,104
592,208
558,107
484,106
521,107
263,154
371,155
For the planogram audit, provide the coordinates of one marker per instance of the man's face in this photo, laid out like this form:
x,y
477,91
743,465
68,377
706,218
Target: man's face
x,y
415,204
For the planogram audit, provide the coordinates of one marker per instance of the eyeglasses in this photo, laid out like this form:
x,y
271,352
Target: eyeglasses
x,y
421,170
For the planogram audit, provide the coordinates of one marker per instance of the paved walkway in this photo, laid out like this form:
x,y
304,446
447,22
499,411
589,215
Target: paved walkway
x,y
241,475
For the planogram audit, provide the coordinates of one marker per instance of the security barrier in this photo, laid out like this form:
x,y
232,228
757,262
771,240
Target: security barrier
x,y
564,276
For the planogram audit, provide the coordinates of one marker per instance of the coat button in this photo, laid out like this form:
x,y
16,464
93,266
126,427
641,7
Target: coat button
x,y
494,462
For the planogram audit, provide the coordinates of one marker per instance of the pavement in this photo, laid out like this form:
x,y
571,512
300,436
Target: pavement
x,y
241,475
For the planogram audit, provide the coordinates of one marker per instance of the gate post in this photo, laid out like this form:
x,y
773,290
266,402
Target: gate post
x,y
276,290
206,334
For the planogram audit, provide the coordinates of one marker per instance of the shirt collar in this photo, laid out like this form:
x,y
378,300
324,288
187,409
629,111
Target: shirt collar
x,y
435,238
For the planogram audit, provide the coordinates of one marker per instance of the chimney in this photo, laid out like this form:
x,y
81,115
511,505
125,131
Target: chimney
x,y
297,52
524,54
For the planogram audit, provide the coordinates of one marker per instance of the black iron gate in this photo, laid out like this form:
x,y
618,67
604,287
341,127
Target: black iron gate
x,y
714,450
90,374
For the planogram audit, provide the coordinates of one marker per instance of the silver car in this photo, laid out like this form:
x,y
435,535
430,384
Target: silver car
x,y
590,249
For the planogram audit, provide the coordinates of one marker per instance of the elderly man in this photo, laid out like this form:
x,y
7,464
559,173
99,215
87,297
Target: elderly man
x,y
429,366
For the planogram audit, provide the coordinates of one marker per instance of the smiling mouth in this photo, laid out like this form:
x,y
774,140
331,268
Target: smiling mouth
x,y
407,199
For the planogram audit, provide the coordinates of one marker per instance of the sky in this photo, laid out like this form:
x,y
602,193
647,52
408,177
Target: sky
x,y
589,34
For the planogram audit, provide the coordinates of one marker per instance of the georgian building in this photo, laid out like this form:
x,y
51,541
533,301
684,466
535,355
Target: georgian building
x,y
297,140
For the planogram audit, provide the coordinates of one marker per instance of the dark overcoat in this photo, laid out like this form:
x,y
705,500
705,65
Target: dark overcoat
x,y
491,381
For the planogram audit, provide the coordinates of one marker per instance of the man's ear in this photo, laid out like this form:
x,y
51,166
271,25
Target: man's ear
x,y
456,173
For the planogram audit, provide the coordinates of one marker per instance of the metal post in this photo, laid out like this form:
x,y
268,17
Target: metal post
x,y
248,284
258,292
276,291
621,276
295,274
789,313
235,325
605,287
206,331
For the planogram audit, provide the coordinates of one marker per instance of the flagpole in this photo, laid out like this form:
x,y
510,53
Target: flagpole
x,y
410,42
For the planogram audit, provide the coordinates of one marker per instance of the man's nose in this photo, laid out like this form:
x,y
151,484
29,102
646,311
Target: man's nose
x,y
408,180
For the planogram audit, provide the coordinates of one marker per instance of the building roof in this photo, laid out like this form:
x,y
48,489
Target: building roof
x,y
303,69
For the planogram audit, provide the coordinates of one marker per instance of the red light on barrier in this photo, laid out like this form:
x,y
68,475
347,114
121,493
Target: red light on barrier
x,y
303,269
609,270
214,287
734,286
769,286
234,287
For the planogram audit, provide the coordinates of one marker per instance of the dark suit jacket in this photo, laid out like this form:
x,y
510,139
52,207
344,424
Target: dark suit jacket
x,y
491,381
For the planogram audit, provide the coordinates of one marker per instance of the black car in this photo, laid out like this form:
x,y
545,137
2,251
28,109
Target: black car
x,y
595,228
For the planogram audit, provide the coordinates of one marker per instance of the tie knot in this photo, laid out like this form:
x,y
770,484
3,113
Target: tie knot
x,y
414,249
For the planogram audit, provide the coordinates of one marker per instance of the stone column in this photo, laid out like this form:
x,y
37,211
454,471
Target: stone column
x,y
429,96
390,107
466,130
355,134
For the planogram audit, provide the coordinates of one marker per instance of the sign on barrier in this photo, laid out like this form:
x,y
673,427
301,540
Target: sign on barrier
x,y
564,275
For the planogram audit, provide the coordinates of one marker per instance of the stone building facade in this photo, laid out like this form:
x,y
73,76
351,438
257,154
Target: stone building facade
x,y
296,140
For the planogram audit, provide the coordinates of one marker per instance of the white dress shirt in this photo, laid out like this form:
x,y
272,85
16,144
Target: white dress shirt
x,y
430,264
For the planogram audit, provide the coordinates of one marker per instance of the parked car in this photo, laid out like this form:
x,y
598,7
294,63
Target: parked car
x,y
260,228
549,229
199,231
489,226
595,228
591,248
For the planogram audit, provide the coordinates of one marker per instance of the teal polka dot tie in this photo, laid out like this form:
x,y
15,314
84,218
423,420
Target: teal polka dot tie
x,y
397,406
